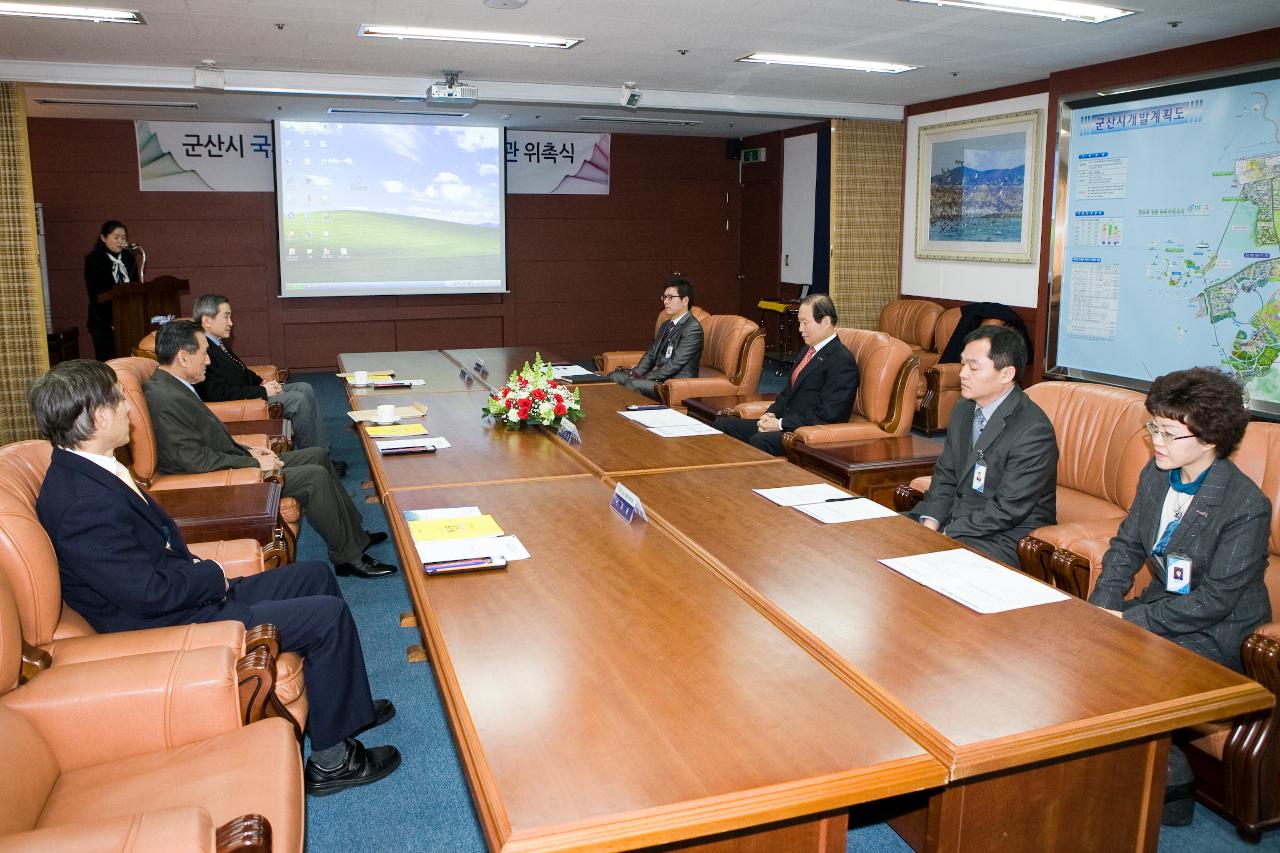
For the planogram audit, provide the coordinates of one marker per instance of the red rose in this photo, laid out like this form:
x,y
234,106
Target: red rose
x,y
505,390
524,383
560,409
552,384
539,394
509,402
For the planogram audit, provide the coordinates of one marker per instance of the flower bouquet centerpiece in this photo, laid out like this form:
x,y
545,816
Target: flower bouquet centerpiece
x,y
534,396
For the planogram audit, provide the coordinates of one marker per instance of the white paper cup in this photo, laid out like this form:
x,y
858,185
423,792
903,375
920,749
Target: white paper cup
x,y
386,413
360,377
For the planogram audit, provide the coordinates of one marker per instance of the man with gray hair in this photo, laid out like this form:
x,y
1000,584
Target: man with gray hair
x,y
229,378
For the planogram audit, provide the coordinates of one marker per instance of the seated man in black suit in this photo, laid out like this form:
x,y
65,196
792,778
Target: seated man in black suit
x,y
997,477
125,566
229,378
676,350
191,440
821,387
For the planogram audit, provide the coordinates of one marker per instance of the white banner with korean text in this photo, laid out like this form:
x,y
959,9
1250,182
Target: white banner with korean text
x,y
202,156
541,163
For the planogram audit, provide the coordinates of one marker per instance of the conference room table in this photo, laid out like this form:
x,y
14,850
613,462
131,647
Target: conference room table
x,y
438,371
617,690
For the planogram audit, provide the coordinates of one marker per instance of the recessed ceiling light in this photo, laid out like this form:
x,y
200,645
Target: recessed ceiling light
x,y
92,102
72,13
669,122
827,62
472,36
366,111
1064,10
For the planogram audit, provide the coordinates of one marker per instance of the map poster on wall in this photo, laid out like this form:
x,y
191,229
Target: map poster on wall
x,y
204,156
561,163
1171,257
977,189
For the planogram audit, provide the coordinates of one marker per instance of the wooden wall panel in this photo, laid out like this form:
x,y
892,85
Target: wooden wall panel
x,y
584,271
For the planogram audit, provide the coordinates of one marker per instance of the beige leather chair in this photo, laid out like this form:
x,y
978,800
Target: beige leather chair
x,y
146,348
887,377
732,357
55,635
913,322
140,753
941,381
607,362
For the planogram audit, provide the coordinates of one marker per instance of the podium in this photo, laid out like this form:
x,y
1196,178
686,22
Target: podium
x,y
133,304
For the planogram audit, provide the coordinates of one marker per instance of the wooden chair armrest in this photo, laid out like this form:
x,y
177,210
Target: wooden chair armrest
x,y
751,410
249,833
607,362
675,391
905,498
187,828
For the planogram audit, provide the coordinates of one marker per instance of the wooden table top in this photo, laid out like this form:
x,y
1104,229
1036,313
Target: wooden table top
x,y
985,692
440,373
612,692
872,452
478,452
500,362
612,444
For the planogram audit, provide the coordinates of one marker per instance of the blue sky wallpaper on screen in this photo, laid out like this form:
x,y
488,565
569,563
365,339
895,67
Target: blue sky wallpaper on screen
x,y
389,209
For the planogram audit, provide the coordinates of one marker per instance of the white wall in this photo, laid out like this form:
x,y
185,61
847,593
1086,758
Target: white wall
x,y
799,194
971,281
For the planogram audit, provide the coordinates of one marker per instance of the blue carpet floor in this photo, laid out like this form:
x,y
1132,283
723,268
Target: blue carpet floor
x,y
426,805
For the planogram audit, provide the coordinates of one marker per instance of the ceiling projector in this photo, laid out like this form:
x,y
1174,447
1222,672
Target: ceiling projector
x,y
451,91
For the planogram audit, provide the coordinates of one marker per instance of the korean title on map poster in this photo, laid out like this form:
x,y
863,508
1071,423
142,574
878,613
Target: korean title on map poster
x,y
190,156
557,163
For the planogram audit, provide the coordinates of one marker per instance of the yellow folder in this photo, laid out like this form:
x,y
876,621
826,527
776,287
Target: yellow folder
x,y
468,527
396,430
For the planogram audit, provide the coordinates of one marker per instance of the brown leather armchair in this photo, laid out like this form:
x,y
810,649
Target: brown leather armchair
x,y
144,752
887,377
941,381
54,634
146,348
607,362
913,322
732,357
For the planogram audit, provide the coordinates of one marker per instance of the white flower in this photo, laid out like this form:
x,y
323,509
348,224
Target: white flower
x,y
513,414
546,411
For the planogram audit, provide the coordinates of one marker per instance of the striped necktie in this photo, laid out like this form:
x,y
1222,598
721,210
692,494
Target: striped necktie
x,y
979,421
804,362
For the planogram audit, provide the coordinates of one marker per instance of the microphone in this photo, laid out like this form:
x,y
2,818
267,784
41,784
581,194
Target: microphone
x,y
133,246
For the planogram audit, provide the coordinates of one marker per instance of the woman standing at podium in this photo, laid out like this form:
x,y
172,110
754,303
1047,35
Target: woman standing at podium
x,y
106,266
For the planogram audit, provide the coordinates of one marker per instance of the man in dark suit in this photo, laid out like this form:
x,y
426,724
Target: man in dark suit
x,y
191,440
996,480
821,387
676,350
229,378
125,566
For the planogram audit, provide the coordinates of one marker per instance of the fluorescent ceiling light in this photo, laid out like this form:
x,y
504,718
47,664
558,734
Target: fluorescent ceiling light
x,y
670,122
827,62
373,112
474,36
72,13
1064,10
91,102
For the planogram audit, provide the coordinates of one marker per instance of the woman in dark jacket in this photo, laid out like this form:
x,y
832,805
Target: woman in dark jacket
x,y
106,266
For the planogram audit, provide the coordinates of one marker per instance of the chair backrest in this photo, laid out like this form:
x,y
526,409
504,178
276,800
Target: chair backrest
x,y
133,373
698,314
911,321
1102,446
734,346
945,328
887,371
27,558
1258,456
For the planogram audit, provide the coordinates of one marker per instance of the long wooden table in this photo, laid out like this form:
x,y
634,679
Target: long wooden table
x,y
634,686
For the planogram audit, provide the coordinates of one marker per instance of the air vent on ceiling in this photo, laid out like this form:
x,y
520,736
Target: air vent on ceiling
x,y
91,102
371,112
669,122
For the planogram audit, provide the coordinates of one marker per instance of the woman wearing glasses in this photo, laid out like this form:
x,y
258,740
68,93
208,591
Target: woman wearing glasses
x,y
1200,527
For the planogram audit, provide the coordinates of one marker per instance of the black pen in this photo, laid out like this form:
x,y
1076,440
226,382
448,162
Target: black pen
x,y
836,500
635,408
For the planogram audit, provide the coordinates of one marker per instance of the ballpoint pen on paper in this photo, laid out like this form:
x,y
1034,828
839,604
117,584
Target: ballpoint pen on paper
x,y
635,408
837,500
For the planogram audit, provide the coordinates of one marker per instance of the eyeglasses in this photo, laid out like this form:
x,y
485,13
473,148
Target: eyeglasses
x,y
667,296
1156,433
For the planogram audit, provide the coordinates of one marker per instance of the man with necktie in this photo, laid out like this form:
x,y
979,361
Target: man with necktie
x,y
996,479
820,390
125,566
676,350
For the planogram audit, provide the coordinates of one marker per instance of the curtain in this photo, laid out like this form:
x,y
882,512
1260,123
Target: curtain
x,y
866,217
24,352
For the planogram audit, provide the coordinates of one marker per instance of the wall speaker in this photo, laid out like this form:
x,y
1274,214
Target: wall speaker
x,y
733,149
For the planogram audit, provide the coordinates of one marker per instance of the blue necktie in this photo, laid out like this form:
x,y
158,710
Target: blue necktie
x,y
979,421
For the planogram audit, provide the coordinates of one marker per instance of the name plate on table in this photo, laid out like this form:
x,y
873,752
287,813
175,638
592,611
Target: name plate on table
x,y
569,432
481,367
625,503
464,376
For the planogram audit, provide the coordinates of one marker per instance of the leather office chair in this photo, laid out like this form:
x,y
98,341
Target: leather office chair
x,y
143,753
888,374
913,322
732,357
146,348
54,634
941,381
607,362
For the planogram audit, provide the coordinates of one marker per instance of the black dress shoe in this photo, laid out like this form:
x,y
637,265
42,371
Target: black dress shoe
x,y
365,567
339,466
361,767
375,537
383,711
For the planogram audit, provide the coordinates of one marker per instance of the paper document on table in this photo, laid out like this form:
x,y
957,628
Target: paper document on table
x,y
974,581
441,512
372,374
797,495
695,428
838,511
566,371
466,527
396,430
507,547
396,383
657,418
403,444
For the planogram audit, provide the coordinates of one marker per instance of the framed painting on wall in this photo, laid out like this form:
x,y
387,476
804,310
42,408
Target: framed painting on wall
x,y
977,189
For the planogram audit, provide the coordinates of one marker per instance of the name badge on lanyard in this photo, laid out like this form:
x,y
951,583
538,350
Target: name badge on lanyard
x,y
1179,569
670,349
980,474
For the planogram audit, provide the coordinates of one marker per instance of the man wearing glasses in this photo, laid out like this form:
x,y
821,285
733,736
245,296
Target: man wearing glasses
x,y
677,349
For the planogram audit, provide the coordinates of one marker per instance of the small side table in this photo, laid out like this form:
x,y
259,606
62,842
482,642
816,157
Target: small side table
x,y
873,467
706,409
247,511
